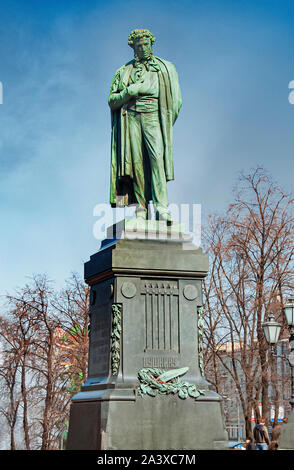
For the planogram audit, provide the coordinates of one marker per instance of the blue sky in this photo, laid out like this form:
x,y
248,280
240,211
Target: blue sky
x,y
234,60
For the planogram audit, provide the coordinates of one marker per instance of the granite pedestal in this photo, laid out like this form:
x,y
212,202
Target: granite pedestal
x,y
146,292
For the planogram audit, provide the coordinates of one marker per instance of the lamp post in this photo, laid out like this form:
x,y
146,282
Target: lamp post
x,y
272,330
289,314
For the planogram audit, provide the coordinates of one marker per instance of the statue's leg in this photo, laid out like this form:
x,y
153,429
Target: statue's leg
x,y
136,143
154,144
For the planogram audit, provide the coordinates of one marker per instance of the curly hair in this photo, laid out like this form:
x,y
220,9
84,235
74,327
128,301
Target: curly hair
x,y
140,33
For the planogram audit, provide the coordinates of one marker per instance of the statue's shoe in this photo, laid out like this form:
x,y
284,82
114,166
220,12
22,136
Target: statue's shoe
x,y
165,216
141,215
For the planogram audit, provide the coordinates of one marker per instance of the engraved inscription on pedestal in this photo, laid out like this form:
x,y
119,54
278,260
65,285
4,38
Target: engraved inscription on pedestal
x,y
160,362
100,347
100,329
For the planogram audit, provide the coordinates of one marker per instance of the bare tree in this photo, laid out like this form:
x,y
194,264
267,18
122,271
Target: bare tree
x,y
9,380
72,305
251,249
45,368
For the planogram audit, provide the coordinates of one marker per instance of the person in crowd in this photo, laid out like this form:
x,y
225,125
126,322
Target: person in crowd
x,y
273,445
276,433
249,443
261,435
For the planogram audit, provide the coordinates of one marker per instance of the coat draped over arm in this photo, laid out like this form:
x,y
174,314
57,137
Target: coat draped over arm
x,y
170,101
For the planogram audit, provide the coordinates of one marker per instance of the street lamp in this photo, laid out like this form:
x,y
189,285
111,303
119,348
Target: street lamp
x,y
272,329
289,313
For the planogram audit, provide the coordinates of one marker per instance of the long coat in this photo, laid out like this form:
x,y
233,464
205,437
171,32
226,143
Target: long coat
x,y
170,101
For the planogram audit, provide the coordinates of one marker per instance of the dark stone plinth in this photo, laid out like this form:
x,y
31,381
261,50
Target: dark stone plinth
x,y
160,423
152,289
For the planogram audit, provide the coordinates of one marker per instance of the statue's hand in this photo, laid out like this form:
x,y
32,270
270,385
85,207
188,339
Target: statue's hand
x,y
145,88
134,89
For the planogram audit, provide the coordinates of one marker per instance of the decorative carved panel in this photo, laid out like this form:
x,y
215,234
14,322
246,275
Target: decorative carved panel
x,y
161,301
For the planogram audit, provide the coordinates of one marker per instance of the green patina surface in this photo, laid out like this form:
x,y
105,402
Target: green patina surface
x,y
157,381
145,100
115,338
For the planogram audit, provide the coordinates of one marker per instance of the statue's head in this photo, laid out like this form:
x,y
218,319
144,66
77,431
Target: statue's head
x,y
141,41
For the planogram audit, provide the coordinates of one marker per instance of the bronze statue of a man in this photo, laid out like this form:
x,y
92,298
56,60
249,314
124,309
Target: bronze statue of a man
x,y
145,100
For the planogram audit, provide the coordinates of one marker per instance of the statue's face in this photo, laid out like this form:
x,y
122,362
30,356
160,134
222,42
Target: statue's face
x,y
143,48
